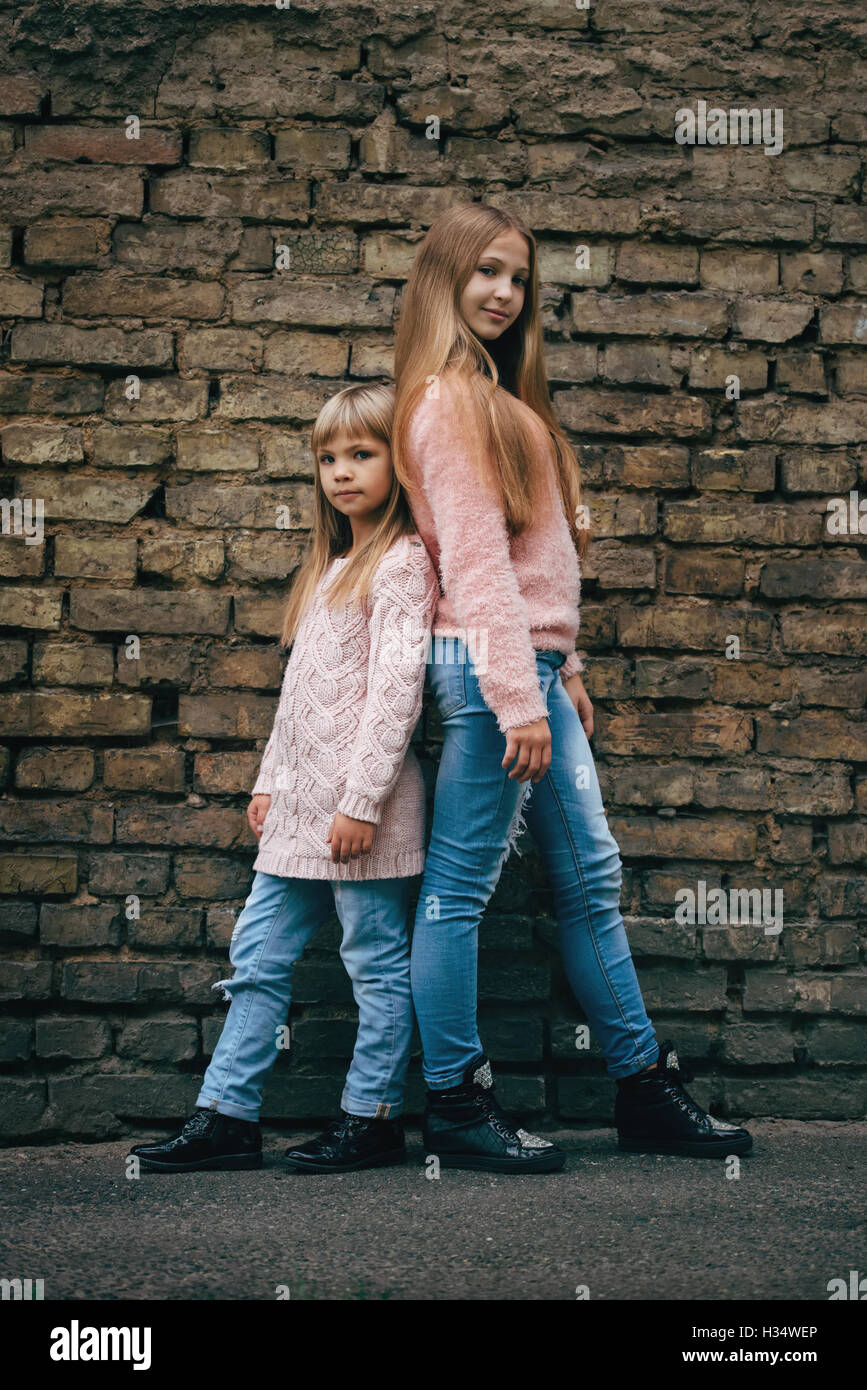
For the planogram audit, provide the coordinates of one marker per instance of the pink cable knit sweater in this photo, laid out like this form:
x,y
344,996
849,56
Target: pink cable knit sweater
x,y
519,595
351,697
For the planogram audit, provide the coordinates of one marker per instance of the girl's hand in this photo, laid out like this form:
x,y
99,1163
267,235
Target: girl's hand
x,y
256,813
581,700
532,745
349,838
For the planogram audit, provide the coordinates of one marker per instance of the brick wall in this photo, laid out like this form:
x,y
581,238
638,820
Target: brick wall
x,y
161,367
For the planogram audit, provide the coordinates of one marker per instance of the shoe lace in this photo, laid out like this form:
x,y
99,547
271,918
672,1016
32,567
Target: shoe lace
x,y
494,1112
673,1078
198,1124
342,1126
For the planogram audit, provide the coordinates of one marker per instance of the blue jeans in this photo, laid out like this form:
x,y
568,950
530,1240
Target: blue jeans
x,y
478,811
277,921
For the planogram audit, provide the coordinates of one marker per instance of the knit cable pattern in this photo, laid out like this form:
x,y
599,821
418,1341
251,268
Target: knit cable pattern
x,y
350,700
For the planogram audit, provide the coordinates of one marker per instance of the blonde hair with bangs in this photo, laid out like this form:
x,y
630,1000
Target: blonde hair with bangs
x,y
355,410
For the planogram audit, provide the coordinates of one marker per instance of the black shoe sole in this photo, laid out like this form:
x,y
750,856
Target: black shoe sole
x,y
303,1165
689,1148
231,1162
482,1163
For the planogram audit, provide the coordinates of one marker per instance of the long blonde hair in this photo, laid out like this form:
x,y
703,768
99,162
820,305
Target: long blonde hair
x,y
354,410
433,337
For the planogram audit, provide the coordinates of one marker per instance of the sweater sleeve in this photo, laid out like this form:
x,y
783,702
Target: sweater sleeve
x,y
265,781
476,565
404,603
573,665
266,769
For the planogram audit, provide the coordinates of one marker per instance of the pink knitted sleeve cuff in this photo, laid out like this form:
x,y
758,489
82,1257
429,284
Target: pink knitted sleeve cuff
x,y
263,782
573,665
360,807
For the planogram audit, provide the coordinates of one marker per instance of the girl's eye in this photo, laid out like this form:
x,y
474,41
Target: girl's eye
x,y
483,269
362,453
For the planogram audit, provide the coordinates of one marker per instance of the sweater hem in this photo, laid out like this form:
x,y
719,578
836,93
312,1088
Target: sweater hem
x,y
542,642
543,639
402,865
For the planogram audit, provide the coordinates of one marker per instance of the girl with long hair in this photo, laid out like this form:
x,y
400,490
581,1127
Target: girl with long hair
x,y
494,488
339,811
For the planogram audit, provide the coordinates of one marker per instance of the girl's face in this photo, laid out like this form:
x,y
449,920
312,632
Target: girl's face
x,y
355,472
493,297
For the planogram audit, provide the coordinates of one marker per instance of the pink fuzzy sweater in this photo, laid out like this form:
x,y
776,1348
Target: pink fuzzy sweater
x,y
516,595
351,697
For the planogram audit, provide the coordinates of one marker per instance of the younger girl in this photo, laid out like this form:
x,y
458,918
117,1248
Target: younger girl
x,y
494,490
339,809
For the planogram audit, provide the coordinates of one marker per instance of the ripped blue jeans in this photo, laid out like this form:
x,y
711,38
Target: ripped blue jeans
x,y
275,924
478,813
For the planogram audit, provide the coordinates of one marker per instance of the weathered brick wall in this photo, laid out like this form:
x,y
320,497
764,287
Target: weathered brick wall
x,y
161,367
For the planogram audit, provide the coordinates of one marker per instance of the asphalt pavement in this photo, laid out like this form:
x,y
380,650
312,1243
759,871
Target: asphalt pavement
x,y
620,1226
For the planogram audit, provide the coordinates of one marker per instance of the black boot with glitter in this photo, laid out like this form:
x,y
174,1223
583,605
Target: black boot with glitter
x,y
655,1115
466,1127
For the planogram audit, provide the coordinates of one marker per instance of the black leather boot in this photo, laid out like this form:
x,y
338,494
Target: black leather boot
x,y
352,1142
655,1115
466,1127
207,1140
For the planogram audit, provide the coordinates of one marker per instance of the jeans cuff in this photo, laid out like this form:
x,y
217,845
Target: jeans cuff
x,y
371,1109
228,1107
457,1078
645,1060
